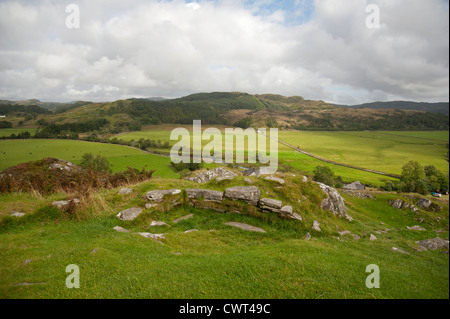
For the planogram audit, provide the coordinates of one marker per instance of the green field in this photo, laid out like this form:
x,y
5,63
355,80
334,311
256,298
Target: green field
x,y
13,152
382,151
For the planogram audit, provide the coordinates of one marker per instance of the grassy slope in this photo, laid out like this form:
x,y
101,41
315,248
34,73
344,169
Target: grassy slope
x,y
219,261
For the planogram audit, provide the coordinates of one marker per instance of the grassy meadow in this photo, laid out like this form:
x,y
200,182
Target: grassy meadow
x,y
383,151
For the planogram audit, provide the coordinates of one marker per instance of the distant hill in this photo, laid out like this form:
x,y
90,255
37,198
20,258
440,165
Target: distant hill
x,y
237,109
440,107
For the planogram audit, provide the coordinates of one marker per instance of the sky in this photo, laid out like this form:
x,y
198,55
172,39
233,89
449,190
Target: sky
x,y
319,49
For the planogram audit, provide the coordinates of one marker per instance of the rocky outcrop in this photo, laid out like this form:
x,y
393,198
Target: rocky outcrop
x,y
248,194
434,243
158,195
424,203
334,202
206,176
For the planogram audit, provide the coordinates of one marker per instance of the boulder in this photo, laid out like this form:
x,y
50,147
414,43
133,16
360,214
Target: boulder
x,y
158,195
206,176
372,237
334,201
433,244
129,214
206,194
248,194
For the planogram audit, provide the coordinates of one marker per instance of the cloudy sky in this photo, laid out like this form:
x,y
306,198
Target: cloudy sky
x,y
319,49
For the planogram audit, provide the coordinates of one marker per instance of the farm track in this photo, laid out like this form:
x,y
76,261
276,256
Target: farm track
x,y
330,161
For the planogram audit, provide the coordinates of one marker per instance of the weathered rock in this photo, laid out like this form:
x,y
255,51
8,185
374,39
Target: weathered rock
x,y
17,214
334,201
206,194
183,218
246,227
413,208
434,243
208,175
397,203
190,231
308,236
120,229
125,191
416,227
269,204
129,214
316,226
150,205
61,203
356,237
372,237
304,179
275,179
424,203
248,180
158,195
248,194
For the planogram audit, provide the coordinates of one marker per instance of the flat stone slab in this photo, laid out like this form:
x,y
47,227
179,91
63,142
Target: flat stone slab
x,y
183,218
129,214
245,227
121,229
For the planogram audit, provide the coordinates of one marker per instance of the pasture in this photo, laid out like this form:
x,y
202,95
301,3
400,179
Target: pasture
x,y
13,152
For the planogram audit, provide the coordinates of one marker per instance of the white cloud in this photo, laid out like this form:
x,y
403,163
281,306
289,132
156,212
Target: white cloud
x,y
172,48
